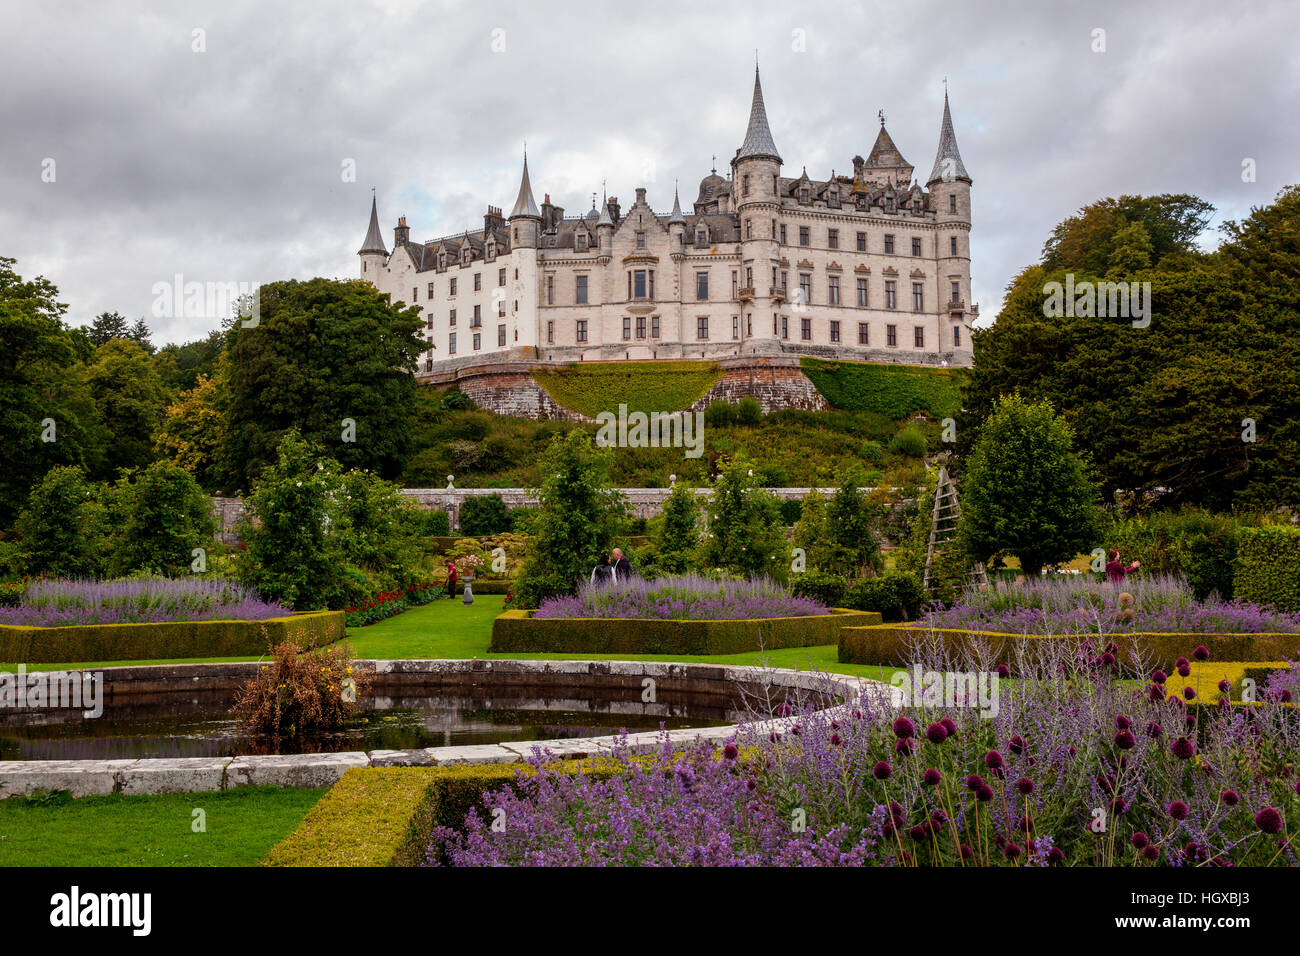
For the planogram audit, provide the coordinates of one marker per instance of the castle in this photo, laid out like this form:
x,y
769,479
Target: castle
x,y
867,267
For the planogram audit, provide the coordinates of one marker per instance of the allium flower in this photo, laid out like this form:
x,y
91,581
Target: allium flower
x,y
1122,722
1178,810
938,818
1189,693
1229,798
966,852
1296,788
1011,851
1055,855
730,752
903,746
1016,745
882,770
1184,669
904,728
984,794
1125,740
993,760
835,740
1201,653
1004,671
931,777
1156,693
1159,677
1025,786
1151,852
949,726
974,782
1183,749
1225,687
1269,820
1139,840
936,733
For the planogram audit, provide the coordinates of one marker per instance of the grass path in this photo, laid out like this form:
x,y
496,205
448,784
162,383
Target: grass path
x,y
449,629
240,827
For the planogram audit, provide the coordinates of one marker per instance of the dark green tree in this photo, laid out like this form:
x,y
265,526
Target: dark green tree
x,y
60,529
131,400
108,326
481,516
1025,491
745,535
161,517
679,539
331,359
851,522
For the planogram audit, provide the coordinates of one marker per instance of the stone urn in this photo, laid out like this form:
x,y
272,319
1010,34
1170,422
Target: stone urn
x,y
469,594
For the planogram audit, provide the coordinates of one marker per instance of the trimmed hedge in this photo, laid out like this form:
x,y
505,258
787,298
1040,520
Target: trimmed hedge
x,y
884,644
174,639
1268,566
591,388
896,391
385,816
519,632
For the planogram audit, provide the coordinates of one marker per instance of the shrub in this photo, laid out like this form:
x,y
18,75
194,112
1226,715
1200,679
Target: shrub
x,y
896,595
873,453
301,690
820,586
434,523
892,390
910,441
791,511
484,515
679,539
749,411
60,528
745,535
522,520
851,522
719,414
1268,566
161,517
139,600
689,597
771,475
456,400
1197,545
811,533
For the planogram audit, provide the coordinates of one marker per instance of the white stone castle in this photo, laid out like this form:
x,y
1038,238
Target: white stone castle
x,y
868,267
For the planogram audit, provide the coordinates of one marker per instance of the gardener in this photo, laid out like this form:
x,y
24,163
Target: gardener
x,y
622,566
451,579
1115,570
602,573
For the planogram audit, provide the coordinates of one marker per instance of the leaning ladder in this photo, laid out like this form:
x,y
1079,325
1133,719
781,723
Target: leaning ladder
x,y
943,528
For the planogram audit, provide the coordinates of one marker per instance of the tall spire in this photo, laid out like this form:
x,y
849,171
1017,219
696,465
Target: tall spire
x,y
758,137
524,205
374,238
947,162
677,208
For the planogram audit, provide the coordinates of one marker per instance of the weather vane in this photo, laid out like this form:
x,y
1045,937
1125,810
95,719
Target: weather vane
x,y
881,114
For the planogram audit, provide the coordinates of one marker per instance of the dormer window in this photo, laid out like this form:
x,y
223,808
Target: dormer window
x,y
804,195
442,261
580,242
702,237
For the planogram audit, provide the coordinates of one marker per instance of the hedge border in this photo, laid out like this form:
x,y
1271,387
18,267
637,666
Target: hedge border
x,y
881,644
519,632
166,641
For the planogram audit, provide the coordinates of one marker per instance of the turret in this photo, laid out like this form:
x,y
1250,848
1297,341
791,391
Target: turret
x,y
677,223
756,169
949,186
525,218
373,253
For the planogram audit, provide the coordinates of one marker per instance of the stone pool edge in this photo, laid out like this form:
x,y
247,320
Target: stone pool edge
x,y
156,775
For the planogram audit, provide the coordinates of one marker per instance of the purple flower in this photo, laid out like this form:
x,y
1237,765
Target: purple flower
x,y
1004,671
730,752
931,777
1055,855
1025,786
1269,820
1229,798
1201,653
1016,745
936,733
904,728
1183,749
993,760
974,782
1122,722
1011,851
882,770
903,746
1125,740
1139,840
1178,810
1159,677
1189,693
984,793
949,726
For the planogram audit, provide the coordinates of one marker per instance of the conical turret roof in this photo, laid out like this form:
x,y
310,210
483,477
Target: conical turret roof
x,y
677,209
374,238
947,162
884,152
758,137
525,205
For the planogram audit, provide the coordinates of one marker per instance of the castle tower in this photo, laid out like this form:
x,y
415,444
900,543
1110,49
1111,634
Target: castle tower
x,y
373,252
525,227
949,187
677,223
756,169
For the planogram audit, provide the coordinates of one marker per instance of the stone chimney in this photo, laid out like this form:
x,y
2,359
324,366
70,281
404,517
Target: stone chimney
x,y
613,209
493,219
402,232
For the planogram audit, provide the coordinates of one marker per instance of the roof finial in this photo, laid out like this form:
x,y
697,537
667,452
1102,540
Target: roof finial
x,y
881,114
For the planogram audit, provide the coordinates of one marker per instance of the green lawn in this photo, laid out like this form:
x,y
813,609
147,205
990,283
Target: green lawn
x,y
448,629
241,827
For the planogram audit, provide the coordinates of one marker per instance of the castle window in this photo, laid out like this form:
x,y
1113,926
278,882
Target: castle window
x,y
478,341
639,284
952,202
501,335
918,337
749,277
627,327
478,317
735,327
580,332
956,292
478,282
889,244
744,185
805,329
805,288
640,326
430,290
734,286
785,281
890,302
452,290
833,198
918,297
952,245
891,335
862,242
916,246
803,235
580,242
834,290
956,336
550,290
442,261
862,293
701,286
501,307
415,294
785,326
428,365
451,343
773,228
749,229
452,319
835,331
804,196
702,237
501,277
783,234
833,238
580,291
640,240
654,326
550,333
864,335
702,327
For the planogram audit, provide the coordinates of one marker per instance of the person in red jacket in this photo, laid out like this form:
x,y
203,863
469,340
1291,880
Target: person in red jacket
x,y
451,579
1115,570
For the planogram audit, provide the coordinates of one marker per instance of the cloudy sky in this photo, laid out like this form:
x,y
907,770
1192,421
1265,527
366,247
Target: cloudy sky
x,y
215,139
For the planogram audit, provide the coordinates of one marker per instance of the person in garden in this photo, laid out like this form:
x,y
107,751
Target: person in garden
x,y
622,566
451,579
1115,570
602,573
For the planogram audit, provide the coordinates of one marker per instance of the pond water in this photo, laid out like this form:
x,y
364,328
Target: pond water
x,y
202,726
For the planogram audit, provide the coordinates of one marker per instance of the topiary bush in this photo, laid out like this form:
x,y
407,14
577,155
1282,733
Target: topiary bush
x,y
820,586
435,523
484,515
896,595
1268,566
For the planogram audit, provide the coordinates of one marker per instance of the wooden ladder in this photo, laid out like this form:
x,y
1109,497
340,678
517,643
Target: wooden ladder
x,y
943,528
